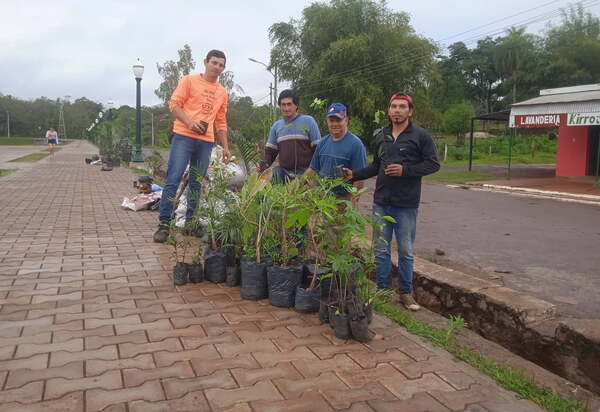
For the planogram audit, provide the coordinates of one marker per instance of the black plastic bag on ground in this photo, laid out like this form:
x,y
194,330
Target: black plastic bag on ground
x,y
233,275
214,266
341,325
308,269
254,285
283,282
195,272
360,329
307,300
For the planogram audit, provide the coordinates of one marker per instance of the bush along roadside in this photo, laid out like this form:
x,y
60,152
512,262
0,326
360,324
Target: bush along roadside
x,y
509,378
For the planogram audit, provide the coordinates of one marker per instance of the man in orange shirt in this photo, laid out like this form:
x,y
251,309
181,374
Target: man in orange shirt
x,y
199,104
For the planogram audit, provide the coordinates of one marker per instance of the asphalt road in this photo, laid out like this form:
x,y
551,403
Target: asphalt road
x,y
546,248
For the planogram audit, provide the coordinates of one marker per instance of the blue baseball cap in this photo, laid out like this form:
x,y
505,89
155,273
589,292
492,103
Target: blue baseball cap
x,y
338,110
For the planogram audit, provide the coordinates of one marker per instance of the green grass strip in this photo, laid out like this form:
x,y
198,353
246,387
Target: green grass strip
x,y
460,176
509,378
6,172
19,141
30,158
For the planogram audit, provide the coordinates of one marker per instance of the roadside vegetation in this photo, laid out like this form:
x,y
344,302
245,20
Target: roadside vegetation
x,y
19,141
526,149
509,378
6,172
30,158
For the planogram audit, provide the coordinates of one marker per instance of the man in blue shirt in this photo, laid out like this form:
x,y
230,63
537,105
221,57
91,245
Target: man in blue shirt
x,y
293,138
339,149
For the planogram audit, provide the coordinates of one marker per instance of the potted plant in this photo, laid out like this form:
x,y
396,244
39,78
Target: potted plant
x,y
195,269
180,246
256,209
285,274
309,216
214,201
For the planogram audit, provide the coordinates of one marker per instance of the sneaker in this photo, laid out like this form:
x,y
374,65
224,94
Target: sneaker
x,y
409,302
162,234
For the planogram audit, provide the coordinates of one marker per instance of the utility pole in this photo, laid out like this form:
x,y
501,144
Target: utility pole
x,y
62,128
275,95
7,123
272,103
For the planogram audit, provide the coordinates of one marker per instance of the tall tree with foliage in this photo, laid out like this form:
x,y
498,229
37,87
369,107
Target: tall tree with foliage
x,y
518,61
457,120
358,52
573,50
172,71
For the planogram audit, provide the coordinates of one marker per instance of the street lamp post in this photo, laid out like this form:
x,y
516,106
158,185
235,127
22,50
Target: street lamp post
x,y
271,90
138,72
7,123
110,104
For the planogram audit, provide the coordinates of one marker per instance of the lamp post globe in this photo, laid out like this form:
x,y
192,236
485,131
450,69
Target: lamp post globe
x,y
138,73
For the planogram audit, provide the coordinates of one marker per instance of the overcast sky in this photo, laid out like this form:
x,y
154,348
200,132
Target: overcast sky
x,y
80,48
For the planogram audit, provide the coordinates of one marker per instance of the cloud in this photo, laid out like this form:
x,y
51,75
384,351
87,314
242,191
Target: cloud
x,y
82,48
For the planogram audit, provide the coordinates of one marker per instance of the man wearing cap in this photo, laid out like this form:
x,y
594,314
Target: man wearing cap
x,y
404,153
293,138
338,150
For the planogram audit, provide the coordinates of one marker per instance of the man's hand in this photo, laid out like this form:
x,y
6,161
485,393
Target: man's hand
x,y
347,173
226,155
198,127
394,170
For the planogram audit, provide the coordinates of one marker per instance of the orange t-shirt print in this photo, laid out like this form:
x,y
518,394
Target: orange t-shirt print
x,y
201,101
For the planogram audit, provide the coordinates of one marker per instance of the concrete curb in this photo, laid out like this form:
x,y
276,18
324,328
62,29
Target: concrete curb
x,y
525,191
527,326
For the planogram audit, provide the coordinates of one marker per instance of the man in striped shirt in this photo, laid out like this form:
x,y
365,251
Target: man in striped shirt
x,y
293,139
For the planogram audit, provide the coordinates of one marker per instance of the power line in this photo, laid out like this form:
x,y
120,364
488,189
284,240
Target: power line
x,y
374,67
415,55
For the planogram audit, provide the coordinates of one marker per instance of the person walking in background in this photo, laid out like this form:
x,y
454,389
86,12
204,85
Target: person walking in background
x,y
52,139
404,153
292,138
199,104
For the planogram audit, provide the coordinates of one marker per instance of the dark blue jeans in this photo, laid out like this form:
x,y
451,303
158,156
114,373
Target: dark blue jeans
x,y
405,230
282,175
184,150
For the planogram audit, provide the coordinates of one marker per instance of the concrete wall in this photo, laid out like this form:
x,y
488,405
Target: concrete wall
x,y
573,151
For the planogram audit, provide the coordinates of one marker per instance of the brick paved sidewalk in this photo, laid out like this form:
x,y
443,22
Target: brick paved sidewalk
x,y
90,321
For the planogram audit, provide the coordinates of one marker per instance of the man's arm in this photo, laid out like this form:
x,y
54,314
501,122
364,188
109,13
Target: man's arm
x,y
430,163
271,150
195,127
221,126
368,171
222,136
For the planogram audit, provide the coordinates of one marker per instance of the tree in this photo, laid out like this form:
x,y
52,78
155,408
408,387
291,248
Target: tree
x,y
172,71
457,120
358,52
518,57
572,50
226,80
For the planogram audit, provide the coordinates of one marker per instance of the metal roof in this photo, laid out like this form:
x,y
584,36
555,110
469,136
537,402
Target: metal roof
x,y
501,116
583,93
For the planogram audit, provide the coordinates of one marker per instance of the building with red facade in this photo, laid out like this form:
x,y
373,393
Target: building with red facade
x,y
575,111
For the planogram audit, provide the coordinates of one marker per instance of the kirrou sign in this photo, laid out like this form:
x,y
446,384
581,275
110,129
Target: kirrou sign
x,y
537,120
583,119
